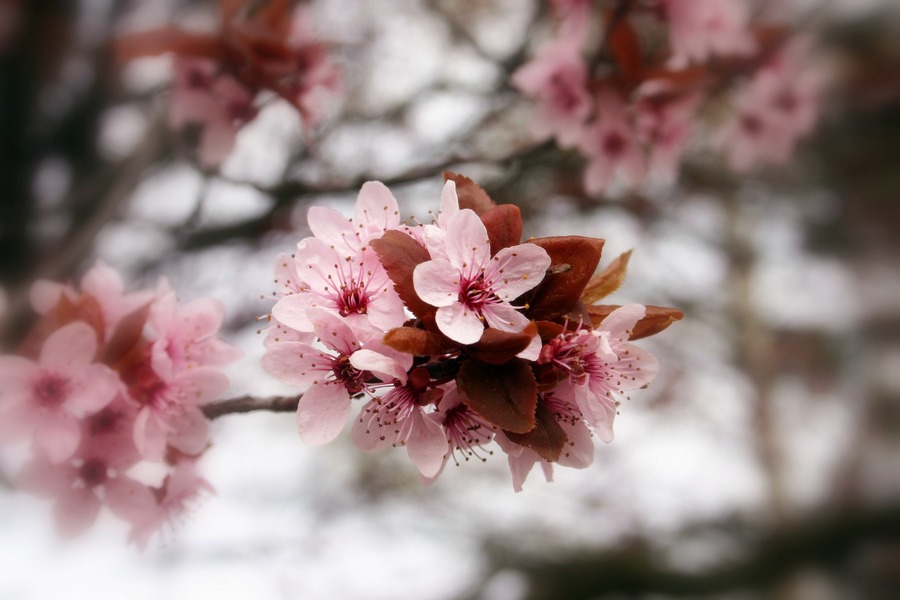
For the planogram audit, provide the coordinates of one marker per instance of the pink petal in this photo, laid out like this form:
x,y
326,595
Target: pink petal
x,y
459,324
376,205
69,347
368,432
191,433
44,295
200,386
291,310
322,413
130,500
468,245
504,317
579,449
333,331
437,282
598,411
149,436
518,269
621,321
331,226
597,176
58,434
75,512
102,282
201,318
637,366
96,388
386,369
292,363
17,423
426,445
43,479
520,466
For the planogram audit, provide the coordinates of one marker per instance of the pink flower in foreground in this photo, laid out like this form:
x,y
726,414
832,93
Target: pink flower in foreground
x,y
611,146
375,212
398,418
49,396
601,366
557,78
470,288
345,369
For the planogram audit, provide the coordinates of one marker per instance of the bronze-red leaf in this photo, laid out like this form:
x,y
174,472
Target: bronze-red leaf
x,y
470,194
608,280
400,254
127,335
626,49
561,288
505,395
504,226
418,342
547,438
656,319
497,347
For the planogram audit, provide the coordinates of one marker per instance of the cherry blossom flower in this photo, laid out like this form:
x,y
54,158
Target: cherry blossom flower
x,y
354,286
557,78
663,123
48,397
186,336
375,212
470,288
467,433
399,418
348,366
700,28
612,148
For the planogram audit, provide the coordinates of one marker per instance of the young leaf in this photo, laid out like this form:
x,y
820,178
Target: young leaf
x,y
504,226
547,438
418,342
497,347
561,288
400,254
626,49
470,194
656,319
608,280
127,334
505,395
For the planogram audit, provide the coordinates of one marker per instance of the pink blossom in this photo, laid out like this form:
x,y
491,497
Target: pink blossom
x,y
169,409
399,418
434,235
344,369
49,396
94,476
578,452
600,366
186,335
216,101
700,28
354,286
467,433
663,123
612,148
557,78
470,287
375,212
181,489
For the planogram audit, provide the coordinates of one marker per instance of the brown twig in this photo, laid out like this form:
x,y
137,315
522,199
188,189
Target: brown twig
x,y
245,404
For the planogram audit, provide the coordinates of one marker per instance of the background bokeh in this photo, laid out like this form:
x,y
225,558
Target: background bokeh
x,y
764,461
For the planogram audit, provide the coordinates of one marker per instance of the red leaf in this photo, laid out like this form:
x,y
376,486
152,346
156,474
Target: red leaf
x,y
418,342
547,438
505,395
400,254
608,280
626,49
127,335
504,226
573,261
497,347
656,319
164,40
470,194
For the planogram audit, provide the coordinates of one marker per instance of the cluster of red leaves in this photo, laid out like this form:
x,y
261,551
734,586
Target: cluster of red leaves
x,y
492,381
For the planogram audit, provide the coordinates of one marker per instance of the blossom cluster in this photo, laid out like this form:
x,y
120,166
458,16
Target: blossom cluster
x,y
219,77
453,336
106,384
630,110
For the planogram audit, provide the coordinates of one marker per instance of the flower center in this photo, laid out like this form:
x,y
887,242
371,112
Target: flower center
x,y
353,299
349,376
751,124
93,473
51,390
613,143
476,293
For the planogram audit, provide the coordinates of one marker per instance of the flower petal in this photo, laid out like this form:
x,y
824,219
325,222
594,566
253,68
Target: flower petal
x,y
58,434
437,282
130,500
191,432
69,347
76,511
517,269
459,323
322,413
383,367
426,444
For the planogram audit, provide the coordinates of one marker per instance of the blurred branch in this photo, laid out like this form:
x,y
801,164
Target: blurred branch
x,y
245,404
819,541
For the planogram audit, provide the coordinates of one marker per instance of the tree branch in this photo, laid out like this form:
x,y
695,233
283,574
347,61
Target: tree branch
x,y
245,404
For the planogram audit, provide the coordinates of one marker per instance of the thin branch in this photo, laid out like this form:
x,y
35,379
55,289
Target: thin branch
x,y
245,404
